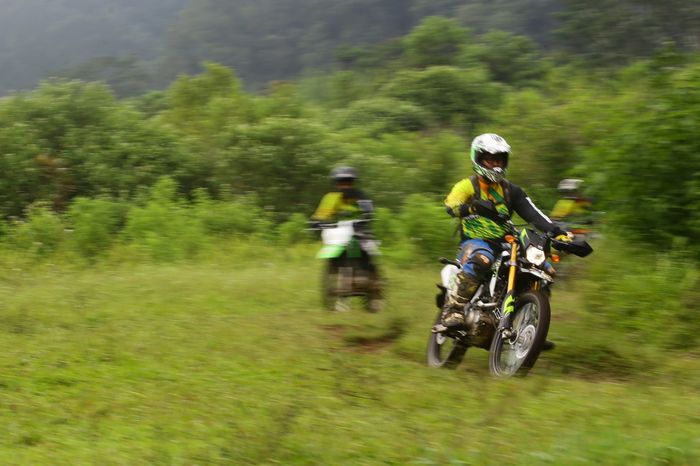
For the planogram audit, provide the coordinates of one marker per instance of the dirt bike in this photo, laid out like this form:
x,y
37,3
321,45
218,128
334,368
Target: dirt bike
x,y
349,248
509,313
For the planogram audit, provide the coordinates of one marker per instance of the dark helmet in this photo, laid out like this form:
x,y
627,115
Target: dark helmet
x,y
341,174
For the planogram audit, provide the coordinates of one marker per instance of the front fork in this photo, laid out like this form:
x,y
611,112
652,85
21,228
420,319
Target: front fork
x,y
509,301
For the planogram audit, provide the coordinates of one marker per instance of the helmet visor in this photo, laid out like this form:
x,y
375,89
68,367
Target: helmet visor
x,y
489,160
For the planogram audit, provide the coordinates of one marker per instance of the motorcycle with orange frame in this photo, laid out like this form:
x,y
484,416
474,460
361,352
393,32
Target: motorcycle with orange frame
x,y
509,314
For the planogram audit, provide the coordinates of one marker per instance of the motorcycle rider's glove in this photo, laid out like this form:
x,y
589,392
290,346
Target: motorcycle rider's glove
x,y
561,235
567,238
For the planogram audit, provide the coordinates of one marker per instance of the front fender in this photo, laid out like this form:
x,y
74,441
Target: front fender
x,y
331,251
538,273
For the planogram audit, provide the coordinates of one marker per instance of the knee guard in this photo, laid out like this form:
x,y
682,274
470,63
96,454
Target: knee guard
x,y
480,261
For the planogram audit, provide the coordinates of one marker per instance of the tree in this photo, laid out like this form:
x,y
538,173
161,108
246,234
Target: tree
x,y
70,139
451,95
648,169
436,41
607,32
510,59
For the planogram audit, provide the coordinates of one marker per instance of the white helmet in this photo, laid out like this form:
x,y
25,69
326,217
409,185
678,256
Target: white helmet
x,y
569,184
490,144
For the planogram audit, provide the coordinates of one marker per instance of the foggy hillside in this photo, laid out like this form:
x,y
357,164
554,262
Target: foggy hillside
x,y
40,37
135,46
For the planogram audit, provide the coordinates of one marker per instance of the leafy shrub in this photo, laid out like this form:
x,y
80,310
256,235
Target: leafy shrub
x,y
239,215
293,230
436,41
41,233
164,227
451,95
384,115
389,229
651,298
646,168
427,227
285,161
95,224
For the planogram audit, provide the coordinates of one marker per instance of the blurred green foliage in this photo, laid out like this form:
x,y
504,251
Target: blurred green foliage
x,y
436,41
170,173
658,301
95,223
205,170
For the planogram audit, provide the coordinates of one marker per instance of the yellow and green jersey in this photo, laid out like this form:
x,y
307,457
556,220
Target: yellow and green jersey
x,y
475,226
568,207
338,204
506,196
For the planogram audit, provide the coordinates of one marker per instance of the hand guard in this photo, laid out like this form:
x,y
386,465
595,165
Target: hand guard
x,y
560,235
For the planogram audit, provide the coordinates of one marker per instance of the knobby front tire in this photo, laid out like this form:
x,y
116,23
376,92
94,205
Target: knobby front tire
x,y
530,324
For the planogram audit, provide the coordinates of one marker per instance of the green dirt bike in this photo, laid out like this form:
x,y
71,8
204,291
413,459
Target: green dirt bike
x,y
349,249
509,313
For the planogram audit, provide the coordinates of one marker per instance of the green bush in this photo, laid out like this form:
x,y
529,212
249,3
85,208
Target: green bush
x,y
383,115
164,228
395,245
41,233
649,297
239,215
70,139
293,230
428,228
95,224
453,96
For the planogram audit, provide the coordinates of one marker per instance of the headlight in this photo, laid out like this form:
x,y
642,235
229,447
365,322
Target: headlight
x,y
535,255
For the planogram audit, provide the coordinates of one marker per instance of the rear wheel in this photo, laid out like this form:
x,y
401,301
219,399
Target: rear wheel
x,y
530,324
444,349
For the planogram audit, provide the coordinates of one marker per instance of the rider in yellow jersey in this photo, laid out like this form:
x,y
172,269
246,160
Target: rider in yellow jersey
x,y
481,236
573,209
345,201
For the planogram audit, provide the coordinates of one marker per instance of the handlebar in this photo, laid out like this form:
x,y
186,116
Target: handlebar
x,y
578,248
316,226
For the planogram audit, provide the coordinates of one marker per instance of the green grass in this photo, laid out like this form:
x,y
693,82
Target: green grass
x,y
228,361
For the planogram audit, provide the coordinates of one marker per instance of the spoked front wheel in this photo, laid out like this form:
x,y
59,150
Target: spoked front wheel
x,y
444,350
336,284
518,352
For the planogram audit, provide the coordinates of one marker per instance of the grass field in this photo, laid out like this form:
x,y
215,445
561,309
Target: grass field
x,y
228,361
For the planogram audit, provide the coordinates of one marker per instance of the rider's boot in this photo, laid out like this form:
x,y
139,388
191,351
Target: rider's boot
x,y
466,286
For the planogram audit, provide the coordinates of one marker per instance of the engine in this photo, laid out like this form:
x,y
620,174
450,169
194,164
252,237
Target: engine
x,y
480,327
